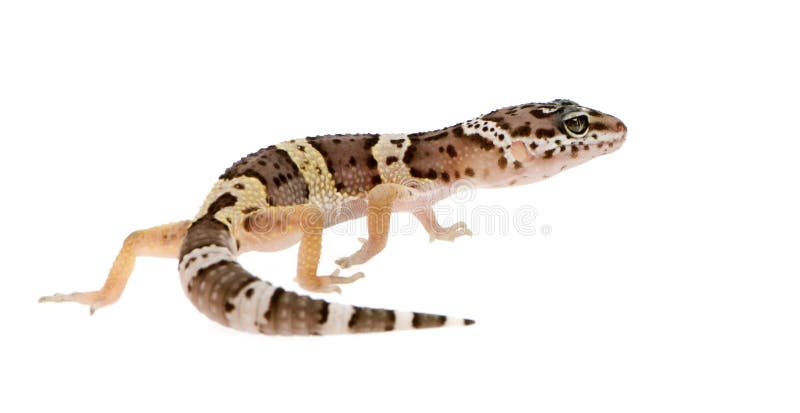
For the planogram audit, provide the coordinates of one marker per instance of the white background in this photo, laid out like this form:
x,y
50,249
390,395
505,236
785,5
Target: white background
x,y
669,282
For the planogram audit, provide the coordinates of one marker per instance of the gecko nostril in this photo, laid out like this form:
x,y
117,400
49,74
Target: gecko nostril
x,y
621,127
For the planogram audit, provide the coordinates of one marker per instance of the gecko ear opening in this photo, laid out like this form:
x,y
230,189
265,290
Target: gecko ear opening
x,y
521,152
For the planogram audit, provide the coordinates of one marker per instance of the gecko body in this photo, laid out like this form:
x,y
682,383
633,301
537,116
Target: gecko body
x,y
288,193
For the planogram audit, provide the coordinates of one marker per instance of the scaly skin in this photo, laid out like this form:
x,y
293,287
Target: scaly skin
x,y
288,193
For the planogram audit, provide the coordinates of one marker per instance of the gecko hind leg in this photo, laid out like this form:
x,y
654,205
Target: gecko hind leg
x,y
161,241
309,253
427,217
278,227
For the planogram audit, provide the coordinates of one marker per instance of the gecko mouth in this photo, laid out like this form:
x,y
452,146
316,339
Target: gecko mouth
x,y
572,151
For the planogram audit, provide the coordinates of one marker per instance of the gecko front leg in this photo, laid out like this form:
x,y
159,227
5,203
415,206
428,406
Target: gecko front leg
x,y
427,217
162,241
379,210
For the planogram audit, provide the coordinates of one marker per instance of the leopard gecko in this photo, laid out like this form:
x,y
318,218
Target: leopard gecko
x,y
289,192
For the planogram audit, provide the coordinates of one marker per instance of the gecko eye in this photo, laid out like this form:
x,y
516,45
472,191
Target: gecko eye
x,y
576,125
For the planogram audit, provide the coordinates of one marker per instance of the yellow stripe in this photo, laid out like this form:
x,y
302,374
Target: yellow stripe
x,y
321,186
249,192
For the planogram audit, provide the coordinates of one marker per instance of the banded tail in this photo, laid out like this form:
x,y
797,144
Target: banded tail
x,y
225,292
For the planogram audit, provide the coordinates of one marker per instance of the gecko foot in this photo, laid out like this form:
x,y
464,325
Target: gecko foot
x,y
354,259
94,299
451,233
346,262
327,283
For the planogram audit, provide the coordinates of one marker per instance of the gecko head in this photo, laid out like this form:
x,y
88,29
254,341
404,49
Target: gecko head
x,y
547,138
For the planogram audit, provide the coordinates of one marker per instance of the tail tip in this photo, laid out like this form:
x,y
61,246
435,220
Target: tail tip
x,y
468,322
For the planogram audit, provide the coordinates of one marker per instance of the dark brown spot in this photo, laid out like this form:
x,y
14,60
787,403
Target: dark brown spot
x,y
495,118
469,172
370,142
482,142
415,173
248,293
521,131
229,307
376,179
458,131
545,133
427,320
323,312
437,136
502,162
391,318
301,148
517,164
239,186
249,210
372,163
549,153
431,174
533,145
358,312
391,159
445,177
352,161
409,155
225,200
273,302
336,141
451,150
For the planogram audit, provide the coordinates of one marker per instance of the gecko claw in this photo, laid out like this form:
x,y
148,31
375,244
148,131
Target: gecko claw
x,y
452,232
94,299
327,283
